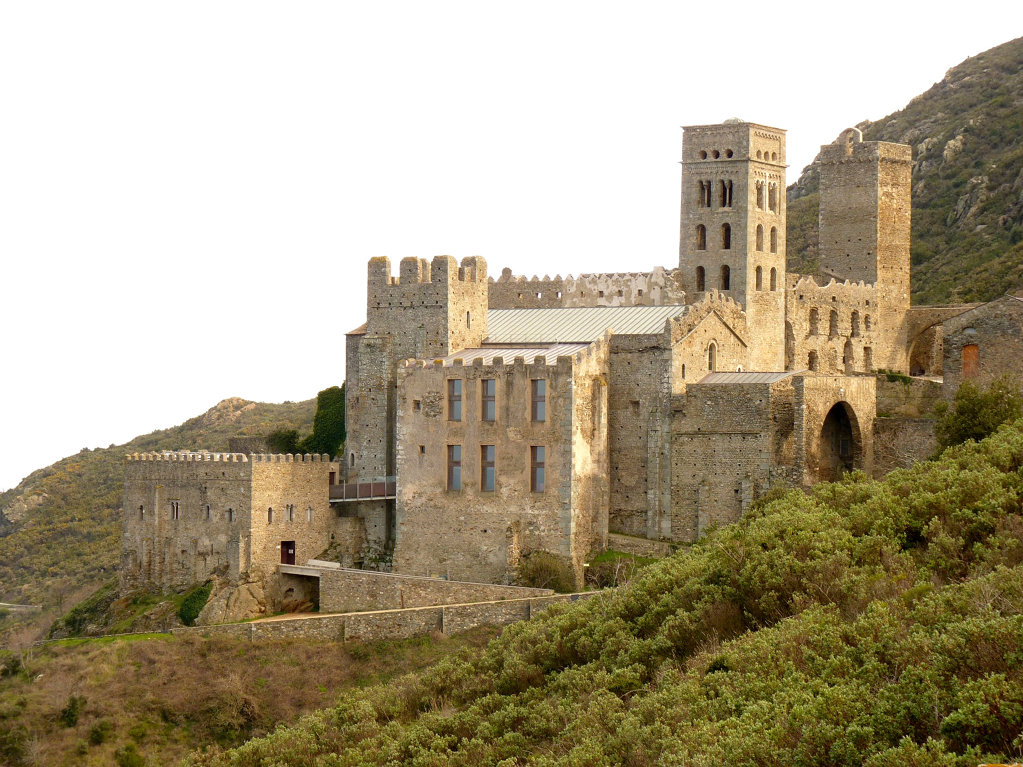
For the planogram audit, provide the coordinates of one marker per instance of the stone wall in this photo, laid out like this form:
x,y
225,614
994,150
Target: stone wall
x,y
994,334
833,328
386,624
357,590
900,441
910,398
475,535
730,442
659,287
189,516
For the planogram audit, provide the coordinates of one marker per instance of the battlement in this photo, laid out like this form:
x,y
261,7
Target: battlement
x,y
712,301
442,270
499,365
658,287
850,147
844,291
201,457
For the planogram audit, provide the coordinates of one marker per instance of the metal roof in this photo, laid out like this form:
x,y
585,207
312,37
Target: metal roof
x,y
575,325
509,353
743,378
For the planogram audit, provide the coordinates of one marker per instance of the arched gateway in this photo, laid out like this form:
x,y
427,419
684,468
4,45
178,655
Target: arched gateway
x,y
840,447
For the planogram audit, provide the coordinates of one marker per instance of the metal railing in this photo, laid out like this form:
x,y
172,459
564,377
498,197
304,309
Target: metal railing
x,y
377,488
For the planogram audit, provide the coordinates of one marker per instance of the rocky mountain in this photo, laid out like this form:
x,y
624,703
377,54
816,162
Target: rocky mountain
x,y
967,139
59,528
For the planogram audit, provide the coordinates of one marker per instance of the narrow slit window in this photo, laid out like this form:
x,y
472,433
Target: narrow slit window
x,y
701,279
701,237
774,239
760,278
726,236
726,278
774,278
712,358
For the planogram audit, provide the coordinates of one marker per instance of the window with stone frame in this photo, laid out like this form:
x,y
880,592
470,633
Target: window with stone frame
x,y
454,399
488,468
537,468
538,400
488,399
454,467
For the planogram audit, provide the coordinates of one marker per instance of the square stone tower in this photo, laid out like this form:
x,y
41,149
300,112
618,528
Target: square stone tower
x,y
865,229
732,237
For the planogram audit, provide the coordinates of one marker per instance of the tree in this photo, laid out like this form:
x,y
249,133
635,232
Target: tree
x,y
328,424
977,413
283,441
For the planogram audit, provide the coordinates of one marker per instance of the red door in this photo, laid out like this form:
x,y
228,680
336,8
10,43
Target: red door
x,y
287,552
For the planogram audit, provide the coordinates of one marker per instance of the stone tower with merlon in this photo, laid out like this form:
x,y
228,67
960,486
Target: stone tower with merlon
x,y
732,236
865,228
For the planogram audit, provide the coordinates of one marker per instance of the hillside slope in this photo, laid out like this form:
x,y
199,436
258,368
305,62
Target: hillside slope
x,y
967,139
59,528
861,622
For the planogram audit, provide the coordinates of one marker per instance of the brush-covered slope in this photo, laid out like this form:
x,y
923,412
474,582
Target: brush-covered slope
x,y
967,139
864,622
59,528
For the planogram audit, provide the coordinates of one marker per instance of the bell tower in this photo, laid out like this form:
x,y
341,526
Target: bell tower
x,y
732,234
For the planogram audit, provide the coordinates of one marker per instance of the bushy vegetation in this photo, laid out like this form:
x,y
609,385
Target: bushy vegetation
x,y
151,699
976,412
861,622
193,603
967,212
544,570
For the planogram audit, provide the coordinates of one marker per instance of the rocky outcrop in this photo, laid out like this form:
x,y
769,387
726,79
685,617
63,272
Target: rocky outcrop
x,y
231,602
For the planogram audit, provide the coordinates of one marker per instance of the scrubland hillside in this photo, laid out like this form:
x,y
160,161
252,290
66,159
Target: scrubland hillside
x,y
967,139
864,622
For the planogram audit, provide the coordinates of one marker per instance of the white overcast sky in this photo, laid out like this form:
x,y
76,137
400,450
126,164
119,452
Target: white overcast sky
x,y
189,191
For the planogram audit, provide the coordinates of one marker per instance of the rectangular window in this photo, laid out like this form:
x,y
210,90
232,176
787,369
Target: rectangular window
x,y
454,467
539,400
209,513
487,454
537,468
175,510
454,399
488,406
290,508
309,514
230,515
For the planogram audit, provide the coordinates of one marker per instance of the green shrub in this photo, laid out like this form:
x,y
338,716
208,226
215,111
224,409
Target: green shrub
x,y
544,570
69,714
977,413
10,663
283,441
101,731
129,756
328,423
193,603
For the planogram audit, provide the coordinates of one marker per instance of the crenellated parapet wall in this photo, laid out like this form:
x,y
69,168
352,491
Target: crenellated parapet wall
x,y
193,457
835,328
658,287
727,308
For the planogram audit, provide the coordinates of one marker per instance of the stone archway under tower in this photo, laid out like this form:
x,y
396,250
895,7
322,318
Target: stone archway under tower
x,y
834,425
840,445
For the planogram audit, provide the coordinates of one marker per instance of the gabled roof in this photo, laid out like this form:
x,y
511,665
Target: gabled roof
x,y
575,325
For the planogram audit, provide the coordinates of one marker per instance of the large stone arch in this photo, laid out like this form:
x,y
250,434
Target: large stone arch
x,y
834,425
839,443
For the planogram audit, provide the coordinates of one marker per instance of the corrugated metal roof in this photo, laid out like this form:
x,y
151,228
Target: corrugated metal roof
x,y
743,378
509,353
575,325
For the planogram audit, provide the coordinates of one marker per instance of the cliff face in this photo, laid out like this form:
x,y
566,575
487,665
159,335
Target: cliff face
x,y
967,139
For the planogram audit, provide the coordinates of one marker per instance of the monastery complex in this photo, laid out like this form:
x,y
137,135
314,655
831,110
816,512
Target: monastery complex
x,y
490,416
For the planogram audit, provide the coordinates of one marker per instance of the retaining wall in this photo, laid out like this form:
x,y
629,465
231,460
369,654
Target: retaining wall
x,y
386,624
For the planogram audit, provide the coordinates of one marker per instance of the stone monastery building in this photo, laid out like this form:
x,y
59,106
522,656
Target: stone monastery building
x,y
488,418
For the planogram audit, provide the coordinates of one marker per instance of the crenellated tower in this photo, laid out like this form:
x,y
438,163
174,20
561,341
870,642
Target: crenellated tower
x,y
732,236
865,230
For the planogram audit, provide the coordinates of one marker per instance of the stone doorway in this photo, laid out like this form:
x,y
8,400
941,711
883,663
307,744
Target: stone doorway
x,y
839,448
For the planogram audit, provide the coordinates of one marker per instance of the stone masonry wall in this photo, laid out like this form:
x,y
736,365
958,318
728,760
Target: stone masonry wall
x,y
730,442
833,328
816,396
659,287
471,534
171,547
357,591
996,330
387,624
